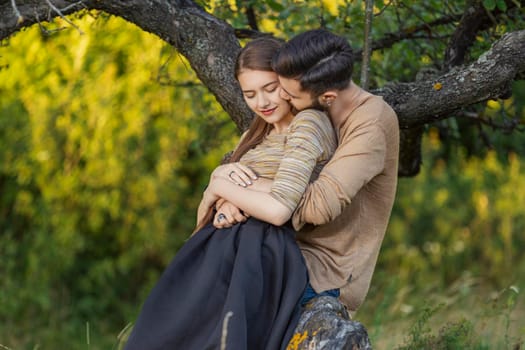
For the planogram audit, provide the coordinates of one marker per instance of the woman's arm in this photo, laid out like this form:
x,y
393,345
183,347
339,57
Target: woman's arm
x,y
239,175
233,213
311,140
253,200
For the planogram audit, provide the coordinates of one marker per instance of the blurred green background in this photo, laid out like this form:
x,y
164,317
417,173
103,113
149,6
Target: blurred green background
x,y
107,139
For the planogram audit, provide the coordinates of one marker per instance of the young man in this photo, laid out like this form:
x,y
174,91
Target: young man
x,y
343,216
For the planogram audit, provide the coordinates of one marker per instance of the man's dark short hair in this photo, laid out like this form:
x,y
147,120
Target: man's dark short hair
x,y
318,59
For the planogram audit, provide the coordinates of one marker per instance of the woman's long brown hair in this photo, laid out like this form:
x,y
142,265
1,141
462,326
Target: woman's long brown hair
x,y
255,55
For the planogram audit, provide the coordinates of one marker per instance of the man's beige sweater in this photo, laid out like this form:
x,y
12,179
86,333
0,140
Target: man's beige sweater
x,y
348,207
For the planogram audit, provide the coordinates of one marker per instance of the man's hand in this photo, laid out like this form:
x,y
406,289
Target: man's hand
x,y
228,215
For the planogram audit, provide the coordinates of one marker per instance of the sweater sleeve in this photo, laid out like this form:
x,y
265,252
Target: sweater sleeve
x,y
359,157
310,141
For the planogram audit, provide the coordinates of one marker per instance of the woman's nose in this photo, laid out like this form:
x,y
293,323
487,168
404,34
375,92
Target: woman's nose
x,y
263,101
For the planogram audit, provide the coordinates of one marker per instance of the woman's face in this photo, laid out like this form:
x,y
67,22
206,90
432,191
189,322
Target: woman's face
x,y
261,93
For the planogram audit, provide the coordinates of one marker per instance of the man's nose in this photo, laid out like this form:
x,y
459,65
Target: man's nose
x,y
284,95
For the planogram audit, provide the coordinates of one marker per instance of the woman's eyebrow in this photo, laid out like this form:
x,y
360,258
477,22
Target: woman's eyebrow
x,y
270,83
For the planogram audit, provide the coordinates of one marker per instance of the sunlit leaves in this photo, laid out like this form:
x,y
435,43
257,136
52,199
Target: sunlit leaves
x,y
94,172
457,213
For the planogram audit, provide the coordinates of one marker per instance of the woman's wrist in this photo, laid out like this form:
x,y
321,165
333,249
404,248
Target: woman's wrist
x,y
209,197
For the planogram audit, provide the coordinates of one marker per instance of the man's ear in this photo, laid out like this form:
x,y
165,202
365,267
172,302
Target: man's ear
x,y
328,97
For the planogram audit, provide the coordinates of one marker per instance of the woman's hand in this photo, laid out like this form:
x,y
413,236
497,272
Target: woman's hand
x,y
237,173
207,201
202,212
228,215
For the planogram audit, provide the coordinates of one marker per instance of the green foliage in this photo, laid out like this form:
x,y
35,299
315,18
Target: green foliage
x,y
101,169
492,4
456,335
457,213
452,320
454,237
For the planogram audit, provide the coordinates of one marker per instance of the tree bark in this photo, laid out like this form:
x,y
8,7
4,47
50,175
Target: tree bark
x,y
367,44
490,77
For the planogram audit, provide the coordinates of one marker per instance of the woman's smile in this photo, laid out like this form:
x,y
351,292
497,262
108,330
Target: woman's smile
x,y
268,112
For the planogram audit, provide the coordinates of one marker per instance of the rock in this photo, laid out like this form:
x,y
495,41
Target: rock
x,y
325,324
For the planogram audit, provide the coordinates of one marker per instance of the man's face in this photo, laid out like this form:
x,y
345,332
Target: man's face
x,y
291,91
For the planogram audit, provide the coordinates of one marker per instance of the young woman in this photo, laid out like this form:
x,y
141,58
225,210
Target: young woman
x,y
239,288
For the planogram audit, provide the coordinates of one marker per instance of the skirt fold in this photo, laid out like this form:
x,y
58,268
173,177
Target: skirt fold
x,y
240,286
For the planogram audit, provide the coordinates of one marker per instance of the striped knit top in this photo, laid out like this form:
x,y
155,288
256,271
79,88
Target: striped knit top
x,y
294,158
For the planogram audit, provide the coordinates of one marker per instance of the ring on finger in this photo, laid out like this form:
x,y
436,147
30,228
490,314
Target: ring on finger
x,y
231,173
221,217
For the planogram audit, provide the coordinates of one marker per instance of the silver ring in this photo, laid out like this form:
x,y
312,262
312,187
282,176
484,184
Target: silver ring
x,y
221,217
230,174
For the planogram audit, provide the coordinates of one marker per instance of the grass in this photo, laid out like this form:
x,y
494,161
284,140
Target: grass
x,y
466,315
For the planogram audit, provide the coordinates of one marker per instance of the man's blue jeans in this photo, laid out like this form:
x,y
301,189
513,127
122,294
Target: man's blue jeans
x,y
310,293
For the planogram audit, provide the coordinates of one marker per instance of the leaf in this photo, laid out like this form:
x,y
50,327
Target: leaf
x,y
285,14
501,5
275,5
489,4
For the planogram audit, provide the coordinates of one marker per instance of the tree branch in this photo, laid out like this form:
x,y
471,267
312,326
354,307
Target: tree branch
x,y
59,12
509,125
475,19
250,16
488,78
410,158
367,47
210,45
390,39
19,17
465,34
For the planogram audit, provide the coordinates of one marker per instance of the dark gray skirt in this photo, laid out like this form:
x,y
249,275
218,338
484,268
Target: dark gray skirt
x,y
232,289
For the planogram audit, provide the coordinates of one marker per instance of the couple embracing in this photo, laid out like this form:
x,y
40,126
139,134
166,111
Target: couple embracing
x,y
300,210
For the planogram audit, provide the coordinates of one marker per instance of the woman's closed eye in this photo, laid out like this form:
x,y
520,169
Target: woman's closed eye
x,y
271,87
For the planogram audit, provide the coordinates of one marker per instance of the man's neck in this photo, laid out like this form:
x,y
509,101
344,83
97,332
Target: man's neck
x,y
347,100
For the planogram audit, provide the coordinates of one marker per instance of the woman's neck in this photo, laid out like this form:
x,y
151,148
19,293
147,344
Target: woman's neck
x,y
282,125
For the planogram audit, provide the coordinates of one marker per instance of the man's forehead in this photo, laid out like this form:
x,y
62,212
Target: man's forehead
x,y
291,86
